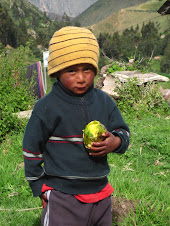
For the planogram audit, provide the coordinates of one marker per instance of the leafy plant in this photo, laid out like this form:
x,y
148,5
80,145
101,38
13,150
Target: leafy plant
x,y
115,67
139,98
15,90
144,65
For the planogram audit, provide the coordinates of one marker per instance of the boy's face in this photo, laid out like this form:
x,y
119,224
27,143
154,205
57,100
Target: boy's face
x,y
77,78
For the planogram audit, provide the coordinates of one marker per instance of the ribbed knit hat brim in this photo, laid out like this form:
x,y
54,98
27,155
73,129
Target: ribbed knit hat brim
x,y
70,46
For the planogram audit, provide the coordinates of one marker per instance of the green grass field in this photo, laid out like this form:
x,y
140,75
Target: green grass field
x,y
140,175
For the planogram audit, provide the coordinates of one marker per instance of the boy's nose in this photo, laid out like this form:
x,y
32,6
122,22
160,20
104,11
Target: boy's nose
x,y
80,76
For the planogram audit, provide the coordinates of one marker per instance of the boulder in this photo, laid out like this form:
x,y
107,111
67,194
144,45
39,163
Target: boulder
x,y
109,86
99,83
131,61
24,114
107,83
104,69
157,58
123,76
165,93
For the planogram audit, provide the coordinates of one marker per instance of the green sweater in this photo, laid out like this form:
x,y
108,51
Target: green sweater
x,y
53,149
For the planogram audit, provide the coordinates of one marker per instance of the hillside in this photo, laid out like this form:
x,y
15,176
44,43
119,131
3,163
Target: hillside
x,y
133,16
22,10
104,8
72,8
23,7
22,23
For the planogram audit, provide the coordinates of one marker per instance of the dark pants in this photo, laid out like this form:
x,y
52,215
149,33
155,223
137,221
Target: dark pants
x,y
65,210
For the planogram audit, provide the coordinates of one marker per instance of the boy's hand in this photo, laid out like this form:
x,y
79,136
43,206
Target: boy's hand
x,y
43,199
111,143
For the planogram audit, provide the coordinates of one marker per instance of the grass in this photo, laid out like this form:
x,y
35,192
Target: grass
x,y
14,191
155,67
102,9
141,175
131,17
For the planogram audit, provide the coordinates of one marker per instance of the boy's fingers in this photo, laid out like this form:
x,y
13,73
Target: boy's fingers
x,y
106,134
44,200
43,197
43,203
97,154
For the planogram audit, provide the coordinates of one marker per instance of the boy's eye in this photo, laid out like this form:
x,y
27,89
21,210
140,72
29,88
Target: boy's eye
x,y
88,69
71,71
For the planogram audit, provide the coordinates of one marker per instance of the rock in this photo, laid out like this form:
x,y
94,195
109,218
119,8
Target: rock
x,y
104,69
107,83
165,93
99,83
157,58
8,46
72,8
131,61
24,114
32,33
109,86
142,78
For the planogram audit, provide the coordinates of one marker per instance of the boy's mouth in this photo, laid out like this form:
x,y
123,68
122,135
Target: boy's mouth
x,y
81,88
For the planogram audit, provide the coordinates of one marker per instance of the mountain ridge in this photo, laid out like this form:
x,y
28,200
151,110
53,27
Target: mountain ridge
x,y
132,16
104,8
72,8
29,23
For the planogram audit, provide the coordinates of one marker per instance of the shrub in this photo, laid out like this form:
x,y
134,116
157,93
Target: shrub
x,y
139,98
14,88
115,67
142,66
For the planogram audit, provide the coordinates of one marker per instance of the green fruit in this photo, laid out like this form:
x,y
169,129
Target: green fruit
x,y
93,133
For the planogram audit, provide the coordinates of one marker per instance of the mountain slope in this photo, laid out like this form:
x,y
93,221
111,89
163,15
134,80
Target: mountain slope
x,y
23,10
72,7
133,16
104,8
26,20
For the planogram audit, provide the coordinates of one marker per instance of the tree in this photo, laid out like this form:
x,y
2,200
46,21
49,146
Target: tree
x,y
21,33
15,10
77,24
129,43
116,50
7,28
65,20
101,39
165,61
150,39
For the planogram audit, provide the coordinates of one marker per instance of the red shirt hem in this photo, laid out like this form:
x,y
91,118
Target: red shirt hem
x,y
89,198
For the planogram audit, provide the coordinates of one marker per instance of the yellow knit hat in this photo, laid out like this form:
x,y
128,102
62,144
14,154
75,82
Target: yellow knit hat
x,y
70,46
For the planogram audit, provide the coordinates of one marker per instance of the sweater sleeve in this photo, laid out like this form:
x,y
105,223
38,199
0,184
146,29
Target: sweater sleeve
x,y
35,137
118,127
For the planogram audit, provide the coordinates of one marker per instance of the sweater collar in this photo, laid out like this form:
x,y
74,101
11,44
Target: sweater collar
x,y
71,97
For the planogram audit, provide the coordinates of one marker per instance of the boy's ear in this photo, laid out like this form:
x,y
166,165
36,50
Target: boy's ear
x,y
55,75
95,70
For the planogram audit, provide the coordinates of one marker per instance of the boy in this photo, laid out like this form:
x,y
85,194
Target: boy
x,y
72,182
